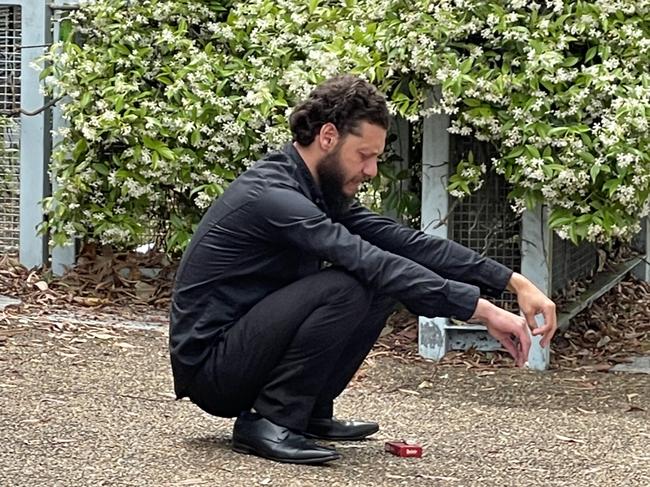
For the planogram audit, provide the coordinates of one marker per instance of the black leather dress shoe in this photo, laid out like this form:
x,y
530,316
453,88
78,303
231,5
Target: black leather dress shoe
x,y
257,435
334,429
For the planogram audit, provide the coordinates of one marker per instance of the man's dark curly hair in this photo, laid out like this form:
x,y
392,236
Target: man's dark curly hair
x,y
345,101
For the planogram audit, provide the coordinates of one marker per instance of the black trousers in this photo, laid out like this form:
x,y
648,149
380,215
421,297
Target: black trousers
x,y
294,352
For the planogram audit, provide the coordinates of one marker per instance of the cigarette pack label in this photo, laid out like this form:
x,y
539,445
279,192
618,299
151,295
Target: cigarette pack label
x,y
403,449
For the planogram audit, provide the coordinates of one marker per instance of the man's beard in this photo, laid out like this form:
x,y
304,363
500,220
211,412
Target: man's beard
x,y
332,180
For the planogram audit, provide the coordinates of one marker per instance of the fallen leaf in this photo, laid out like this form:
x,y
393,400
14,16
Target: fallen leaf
x,y
387,330
603,341
634,408
585,411
437,477
66,355
42,285
102,336
409,391
89,301
144,290
568,439
599,367
425,384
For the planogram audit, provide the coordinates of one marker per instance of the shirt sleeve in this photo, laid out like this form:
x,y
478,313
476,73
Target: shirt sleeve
x,y
289,218
445,257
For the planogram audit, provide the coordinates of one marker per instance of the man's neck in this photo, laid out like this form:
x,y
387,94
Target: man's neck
x,y
310,156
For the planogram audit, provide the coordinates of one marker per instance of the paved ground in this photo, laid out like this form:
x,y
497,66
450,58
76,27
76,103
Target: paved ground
x,y
92,406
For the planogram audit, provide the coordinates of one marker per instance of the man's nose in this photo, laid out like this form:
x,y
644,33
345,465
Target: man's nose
x,y
370,169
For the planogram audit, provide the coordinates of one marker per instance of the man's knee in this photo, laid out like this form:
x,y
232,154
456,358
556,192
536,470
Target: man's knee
x,y
342,285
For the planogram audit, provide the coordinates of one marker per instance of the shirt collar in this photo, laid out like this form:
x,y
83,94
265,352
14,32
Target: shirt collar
x,y
305,177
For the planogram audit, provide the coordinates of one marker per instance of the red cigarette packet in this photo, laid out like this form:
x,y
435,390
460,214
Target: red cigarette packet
x,y
403,449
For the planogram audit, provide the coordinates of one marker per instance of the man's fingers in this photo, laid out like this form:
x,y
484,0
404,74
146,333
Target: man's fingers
x,y
530,319
550,320
524,344
511,348
548,330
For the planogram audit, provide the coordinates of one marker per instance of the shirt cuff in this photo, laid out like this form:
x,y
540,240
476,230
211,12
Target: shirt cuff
x,y
462,299
498,277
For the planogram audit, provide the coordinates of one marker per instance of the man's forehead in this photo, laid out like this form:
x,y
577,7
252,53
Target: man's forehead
x,y
369,137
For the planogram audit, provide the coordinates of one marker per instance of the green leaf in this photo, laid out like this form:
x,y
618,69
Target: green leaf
x,y
166,152
119,103
533,151
515,153
557,130
591,53
101,168
561,221
466,65
79,148
150,143
85,99
123,49
570,61
195,138
176,221
65,30
587,157
45,73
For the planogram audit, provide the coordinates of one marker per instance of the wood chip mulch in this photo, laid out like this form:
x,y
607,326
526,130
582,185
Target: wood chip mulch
x,y
612,329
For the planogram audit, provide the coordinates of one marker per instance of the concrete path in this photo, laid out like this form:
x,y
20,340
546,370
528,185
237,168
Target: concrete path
x,y
93,406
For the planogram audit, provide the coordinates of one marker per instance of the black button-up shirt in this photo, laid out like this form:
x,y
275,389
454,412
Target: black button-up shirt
x,y
271,227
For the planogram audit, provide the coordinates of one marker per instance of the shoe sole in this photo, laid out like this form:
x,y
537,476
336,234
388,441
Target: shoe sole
x,y
340,438
241,448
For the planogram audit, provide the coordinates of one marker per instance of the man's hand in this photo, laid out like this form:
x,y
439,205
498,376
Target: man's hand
x,y
509,328
532,302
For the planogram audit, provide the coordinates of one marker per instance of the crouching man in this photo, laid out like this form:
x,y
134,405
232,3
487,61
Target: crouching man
x,y
263,331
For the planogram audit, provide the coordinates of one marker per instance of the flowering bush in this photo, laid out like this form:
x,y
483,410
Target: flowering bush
x,y
169,100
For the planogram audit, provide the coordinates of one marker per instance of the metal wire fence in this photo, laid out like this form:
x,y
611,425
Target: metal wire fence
x,y
10,66
485,223
484,220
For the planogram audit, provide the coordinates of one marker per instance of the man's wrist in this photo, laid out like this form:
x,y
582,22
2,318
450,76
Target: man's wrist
x,y
482,312
516,283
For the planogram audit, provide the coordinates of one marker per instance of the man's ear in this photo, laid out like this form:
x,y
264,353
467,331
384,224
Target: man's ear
x,y
328,136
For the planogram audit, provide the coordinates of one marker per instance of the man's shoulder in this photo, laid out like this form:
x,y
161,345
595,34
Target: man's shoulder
x,y
275,169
